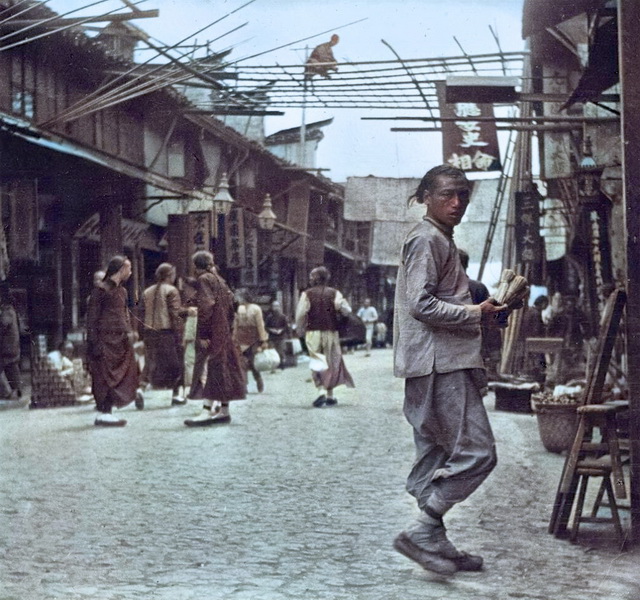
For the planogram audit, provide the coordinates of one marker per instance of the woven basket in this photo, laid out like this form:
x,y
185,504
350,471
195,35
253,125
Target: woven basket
x,y
557,424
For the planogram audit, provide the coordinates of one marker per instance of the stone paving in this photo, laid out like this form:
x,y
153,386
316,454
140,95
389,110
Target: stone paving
x,y
286,502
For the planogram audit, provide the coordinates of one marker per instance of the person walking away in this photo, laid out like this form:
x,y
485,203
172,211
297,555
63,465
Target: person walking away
x,y
277,326
368,315
249,333
491,338
189,342
214,335
163,331
437,350
535,364
316,317
110,337
9,342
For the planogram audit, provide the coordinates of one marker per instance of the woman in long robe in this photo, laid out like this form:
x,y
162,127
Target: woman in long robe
x,y
112,363
214,334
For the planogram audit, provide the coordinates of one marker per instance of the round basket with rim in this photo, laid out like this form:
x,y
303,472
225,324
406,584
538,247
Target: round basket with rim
x,y
557,424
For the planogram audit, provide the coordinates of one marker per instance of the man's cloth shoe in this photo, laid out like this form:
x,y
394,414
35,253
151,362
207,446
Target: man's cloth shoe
x,y
331,401
468,562
432,561
178,401
207,418
433,538
109,420
139,400
320,401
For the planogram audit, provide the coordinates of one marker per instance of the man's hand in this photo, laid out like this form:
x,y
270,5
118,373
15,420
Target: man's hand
x,y
494,316
203,343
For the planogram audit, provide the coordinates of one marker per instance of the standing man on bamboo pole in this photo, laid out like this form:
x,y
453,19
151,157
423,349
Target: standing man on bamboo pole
x,y
437,349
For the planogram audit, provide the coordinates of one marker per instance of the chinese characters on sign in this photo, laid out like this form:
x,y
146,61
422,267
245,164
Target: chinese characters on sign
x,y
467,144
249,274
234,236
528,243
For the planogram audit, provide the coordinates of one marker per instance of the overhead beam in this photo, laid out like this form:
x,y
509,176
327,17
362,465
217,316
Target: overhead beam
x,y
141,14
234,112
547,128
541,119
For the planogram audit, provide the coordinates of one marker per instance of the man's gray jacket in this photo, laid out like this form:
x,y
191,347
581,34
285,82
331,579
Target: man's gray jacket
x,y
436,327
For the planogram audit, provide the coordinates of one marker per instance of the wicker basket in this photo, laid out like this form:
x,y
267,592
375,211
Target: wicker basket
x,y
557,424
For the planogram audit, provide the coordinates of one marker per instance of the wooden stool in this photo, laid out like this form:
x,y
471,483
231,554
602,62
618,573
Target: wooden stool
x,y
596,467
591,458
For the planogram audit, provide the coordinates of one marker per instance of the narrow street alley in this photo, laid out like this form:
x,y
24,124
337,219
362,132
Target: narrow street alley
x,y
287,502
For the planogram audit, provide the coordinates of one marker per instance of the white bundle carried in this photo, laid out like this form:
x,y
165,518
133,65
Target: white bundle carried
x,y
512,289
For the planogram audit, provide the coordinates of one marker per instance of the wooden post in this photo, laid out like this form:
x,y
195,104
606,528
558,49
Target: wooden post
x,y
75,285
629,50
110,229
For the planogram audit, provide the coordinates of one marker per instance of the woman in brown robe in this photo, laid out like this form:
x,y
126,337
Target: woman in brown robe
x,y
112,363
214,334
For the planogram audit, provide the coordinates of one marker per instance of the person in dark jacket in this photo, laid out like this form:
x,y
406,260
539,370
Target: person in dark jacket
x,y
214,336
317,315
9,342
112,362
277,326
491,337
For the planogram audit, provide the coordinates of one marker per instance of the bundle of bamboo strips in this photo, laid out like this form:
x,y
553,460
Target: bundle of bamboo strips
x,y
512,289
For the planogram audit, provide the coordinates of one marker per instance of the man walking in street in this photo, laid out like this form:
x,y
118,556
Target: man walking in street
x,y
368,315
437,349
214,335
163,330
317,318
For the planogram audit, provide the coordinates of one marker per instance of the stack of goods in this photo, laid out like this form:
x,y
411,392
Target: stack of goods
x,y
48,387
512,289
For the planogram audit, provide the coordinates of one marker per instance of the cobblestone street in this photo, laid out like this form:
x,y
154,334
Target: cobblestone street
x,y
286,502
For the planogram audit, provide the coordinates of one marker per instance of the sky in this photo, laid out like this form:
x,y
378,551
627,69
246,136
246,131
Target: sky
x,y
415,29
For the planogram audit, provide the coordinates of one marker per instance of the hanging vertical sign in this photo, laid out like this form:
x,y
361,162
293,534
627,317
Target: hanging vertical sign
x,y
527,227
200,231
467,144
23,220
234,239
249,273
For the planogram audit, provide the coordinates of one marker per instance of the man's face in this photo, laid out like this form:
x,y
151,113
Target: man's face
x,y
275,307
125,271
448,200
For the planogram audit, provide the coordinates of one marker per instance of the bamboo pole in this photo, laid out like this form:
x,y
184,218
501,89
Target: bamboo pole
x,y
42,22
104,87
48,33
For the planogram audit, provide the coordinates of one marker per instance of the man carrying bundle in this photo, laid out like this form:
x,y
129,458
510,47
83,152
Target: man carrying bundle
x,y
437,349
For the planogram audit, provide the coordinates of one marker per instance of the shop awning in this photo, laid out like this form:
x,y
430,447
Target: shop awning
x,y
537,15
602,69
25,130
133,232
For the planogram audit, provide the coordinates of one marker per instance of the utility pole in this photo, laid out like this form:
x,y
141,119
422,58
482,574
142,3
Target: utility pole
x,y
629,49
303,126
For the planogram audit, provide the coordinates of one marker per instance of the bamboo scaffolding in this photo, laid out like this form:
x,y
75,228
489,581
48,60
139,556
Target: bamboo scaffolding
x,y
48,33
445,60
13,16
139,14
75,109
42,22
103,89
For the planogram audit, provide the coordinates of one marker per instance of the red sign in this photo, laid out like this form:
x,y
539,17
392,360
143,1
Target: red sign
x,y
467,144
